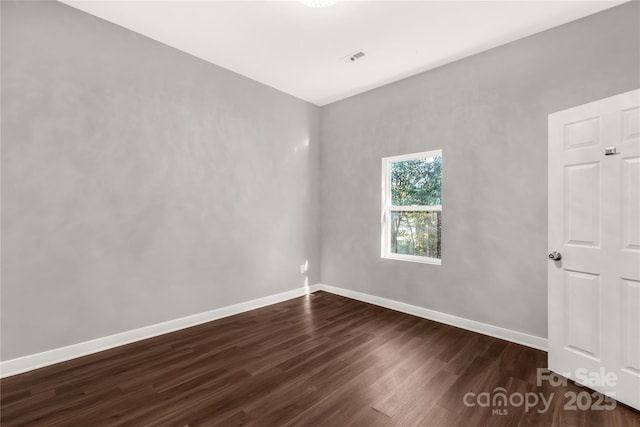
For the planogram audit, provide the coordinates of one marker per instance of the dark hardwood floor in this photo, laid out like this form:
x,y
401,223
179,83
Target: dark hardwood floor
x,y
315,360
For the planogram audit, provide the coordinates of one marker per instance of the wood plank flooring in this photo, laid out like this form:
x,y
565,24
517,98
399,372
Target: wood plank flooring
x,y
318,360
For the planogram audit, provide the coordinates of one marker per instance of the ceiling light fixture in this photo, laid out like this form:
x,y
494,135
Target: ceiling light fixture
x,y
317,3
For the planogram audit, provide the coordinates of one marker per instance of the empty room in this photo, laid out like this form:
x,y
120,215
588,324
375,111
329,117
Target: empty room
x,y
320,213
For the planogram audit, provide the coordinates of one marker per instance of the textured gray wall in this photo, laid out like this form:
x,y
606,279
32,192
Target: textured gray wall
x,y
489,115
140,184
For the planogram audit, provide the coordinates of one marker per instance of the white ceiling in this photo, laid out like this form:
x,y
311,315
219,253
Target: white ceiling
x,y
301,50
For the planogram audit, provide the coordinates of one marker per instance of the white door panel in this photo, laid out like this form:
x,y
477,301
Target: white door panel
x,y
594,222
582,315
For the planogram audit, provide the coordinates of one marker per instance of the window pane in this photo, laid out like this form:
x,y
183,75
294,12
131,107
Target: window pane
x,y
416,182
416,233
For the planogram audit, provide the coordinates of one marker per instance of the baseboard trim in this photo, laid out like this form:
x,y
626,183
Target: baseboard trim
x,y
50,357
39,360
460,322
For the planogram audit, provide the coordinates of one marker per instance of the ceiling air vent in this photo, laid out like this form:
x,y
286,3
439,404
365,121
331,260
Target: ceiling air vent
x,y
355,56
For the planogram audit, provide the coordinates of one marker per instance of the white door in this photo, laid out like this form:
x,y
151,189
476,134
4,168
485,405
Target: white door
x,y
594,223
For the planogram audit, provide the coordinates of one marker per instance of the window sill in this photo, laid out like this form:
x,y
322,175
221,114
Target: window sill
x,y
413,258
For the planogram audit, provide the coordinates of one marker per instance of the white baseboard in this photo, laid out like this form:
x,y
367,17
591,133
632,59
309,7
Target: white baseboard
x,y
460,322
46,358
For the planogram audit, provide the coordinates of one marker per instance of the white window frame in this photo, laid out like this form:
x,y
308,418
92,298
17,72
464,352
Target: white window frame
x,y
387,208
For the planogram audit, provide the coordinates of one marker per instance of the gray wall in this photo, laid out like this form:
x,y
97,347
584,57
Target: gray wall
x,y
140,184
489,115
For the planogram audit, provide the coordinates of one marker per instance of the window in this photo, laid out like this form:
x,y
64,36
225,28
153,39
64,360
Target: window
x,y
412,207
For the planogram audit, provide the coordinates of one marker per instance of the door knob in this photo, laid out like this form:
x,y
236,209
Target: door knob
x,y
555,256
